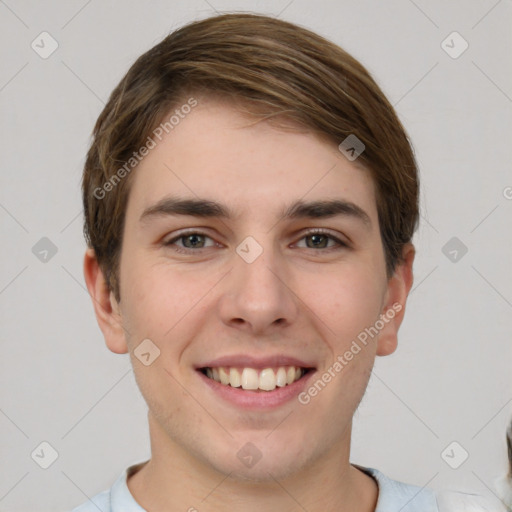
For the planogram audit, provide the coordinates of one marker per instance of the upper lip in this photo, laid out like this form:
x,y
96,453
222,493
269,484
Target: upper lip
x,y
247,361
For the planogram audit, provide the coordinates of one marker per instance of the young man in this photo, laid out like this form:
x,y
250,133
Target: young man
x,y
250,197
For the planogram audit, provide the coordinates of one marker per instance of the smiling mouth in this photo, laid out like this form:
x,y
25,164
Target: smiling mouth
x,y
252,379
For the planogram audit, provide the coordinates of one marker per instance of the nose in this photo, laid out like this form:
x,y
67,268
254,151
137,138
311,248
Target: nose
x,y
258,296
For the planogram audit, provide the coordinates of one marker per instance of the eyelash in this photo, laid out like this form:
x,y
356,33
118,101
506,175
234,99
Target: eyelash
x,y
314,231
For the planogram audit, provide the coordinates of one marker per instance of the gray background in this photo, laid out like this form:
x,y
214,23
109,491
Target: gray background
x,y
450,378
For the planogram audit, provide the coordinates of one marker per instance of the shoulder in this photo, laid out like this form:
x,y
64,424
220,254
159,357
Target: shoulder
x,y
452,501
99,502
116,499
397,496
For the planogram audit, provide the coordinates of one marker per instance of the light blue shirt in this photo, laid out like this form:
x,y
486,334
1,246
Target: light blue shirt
x,y
394,496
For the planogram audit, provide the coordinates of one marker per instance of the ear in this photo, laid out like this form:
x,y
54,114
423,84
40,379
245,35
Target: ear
x,y
106,308
393,311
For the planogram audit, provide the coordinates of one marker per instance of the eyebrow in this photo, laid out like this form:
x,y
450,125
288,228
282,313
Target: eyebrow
x,y
198,207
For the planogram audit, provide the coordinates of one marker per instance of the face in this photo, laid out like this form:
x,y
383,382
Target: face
x,y
253,263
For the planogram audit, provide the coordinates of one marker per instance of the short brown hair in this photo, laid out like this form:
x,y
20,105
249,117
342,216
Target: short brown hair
x,y
279,69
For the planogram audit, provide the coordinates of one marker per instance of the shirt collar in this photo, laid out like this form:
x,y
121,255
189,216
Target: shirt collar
x,y
121,499
393,495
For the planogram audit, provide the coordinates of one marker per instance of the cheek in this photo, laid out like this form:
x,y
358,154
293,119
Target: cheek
x,y
346,301
159,296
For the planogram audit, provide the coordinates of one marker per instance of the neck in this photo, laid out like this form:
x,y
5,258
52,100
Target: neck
x,y
174,478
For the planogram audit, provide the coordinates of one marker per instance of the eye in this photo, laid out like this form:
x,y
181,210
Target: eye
x,y
190,241
195,241
321,239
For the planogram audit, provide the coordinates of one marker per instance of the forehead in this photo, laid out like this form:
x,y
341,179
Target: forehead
x,y
253,167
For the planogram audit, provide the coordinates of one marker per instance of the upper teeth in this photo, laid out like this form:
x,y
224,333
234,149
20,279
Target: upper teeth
x,y
250,378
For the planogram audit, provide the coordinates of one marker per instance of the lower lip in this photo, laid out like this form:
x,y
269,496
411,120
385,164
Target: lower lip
x,y
248,399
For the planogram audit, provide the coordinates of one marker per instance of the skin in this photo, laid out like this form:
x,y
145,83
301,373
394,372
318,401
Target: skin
x,y
294,299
